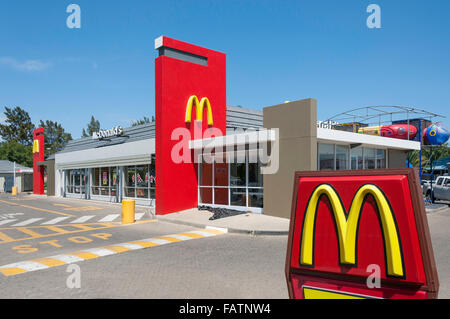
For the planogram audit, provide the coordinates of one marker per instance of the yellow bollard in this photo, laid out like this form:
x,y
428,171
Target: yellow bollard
x,y
128,211
14,190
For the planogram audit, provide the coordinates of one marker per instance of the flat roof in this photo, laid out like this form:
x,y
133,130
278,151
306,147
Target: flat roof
x,y
336,136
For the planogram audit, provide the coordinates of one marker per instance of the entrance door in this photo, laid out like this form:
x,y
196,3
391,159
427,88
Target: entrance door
x,y
9,183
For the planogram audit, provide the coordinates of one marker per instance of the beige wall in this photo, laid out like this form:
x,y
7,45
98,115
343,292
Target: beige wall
x,y
51,178
396,159
297,124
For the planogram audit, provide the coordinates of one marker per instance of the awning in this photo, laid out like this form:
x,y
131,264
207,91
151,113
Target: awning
x,y
249,137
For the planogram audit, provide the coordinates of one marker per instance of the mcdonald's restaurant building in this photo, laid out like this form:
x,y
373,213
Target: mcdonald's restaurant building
x,y
136,162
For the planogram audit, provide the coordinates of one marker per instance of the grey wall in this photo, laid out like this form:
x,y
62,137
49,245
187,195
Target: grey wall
x,y
297,124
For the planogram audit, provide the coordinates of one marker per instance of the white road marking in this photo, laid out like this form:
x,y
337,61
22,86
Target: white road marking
x,y
67,258
130,246
37,264
27,222
109,218
82,219
181,237
157,241
138,216
27,265
100,251
4,222
54,220
203,233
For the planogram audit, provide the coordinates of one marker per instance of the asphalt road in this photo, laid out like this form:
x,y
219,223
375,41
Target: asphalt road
x,y
225,266
439,223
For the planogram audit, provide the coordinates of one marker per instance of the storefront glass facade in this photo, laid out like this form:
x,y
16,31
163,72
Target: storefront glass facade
x,y
104,181
341,157
140,181
237,183
75,181
113,183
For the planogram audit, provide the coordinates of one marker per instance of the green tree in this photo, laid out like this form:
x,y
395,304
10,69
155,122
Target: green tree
x,y
93,126
55,137
145,120
16,152
438,153
18,126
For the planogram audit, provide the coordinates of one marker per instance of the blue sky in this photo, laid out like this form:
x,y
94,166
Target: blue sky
x,y
276,51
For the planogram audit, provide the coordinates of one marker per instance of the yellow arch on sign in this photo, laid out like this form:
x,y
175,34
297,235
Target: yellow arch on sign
x,y
347,227
199,106
35,146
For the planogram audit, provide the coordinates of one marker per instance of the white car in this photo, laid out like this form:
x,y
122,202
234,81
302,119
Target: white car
x,y
441,189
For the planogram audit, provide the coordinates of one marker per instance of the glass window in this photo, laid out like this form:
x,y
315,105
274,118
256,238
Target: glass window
x,y
130,192
139,181
231,182
104,181
356,158
369,158
326,156
96,177
130,176
205,195
381,159
75,181
206,173
237,174
141,173
152,174
342,157
114,176
238,196
104,176
255,197
255,178
220,172
221,196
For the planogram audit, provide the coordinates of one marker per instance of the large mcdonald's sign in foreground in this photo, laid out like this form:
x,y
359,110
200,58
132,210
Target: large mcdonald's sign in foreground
x,y
346,225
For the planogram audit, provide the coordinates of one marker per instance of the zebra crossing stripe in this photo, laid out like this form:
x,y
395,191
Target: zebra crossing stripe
x,y
27,222
4,222
138,216
87,254
82,219
55,220
109,218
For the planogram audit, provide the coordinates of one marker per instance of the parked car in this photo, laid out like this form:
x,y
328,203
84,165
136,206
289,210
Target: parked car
x,y
441,189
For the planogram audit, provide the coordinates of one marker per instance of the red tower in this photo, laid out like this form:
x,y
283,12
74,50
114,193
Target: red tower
x,y
38,156
187,78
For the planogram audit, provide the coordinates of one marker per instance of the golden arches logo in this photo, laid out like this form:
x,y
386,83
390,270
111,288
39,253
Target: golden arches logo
x,y
347,227
199,106
35,146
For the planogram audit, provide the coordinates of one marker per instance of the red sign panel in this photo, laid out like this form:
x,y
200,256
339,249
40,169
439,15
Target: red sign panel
x,y
38,156
190,83
359,234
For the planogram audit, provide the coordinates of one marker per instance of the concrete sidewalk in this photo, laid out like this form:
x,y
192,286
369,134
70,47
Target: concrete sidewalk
x,y
435,207
249,223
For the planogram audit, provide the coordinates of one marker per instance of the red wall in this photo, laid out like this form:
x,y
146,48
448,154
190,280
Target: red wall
x,y
175,82
39,156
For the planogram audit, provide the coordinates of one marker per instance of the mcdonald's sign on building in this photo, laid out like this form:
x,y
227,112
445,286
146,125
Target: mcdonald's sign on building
x,y
359,234
190,86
